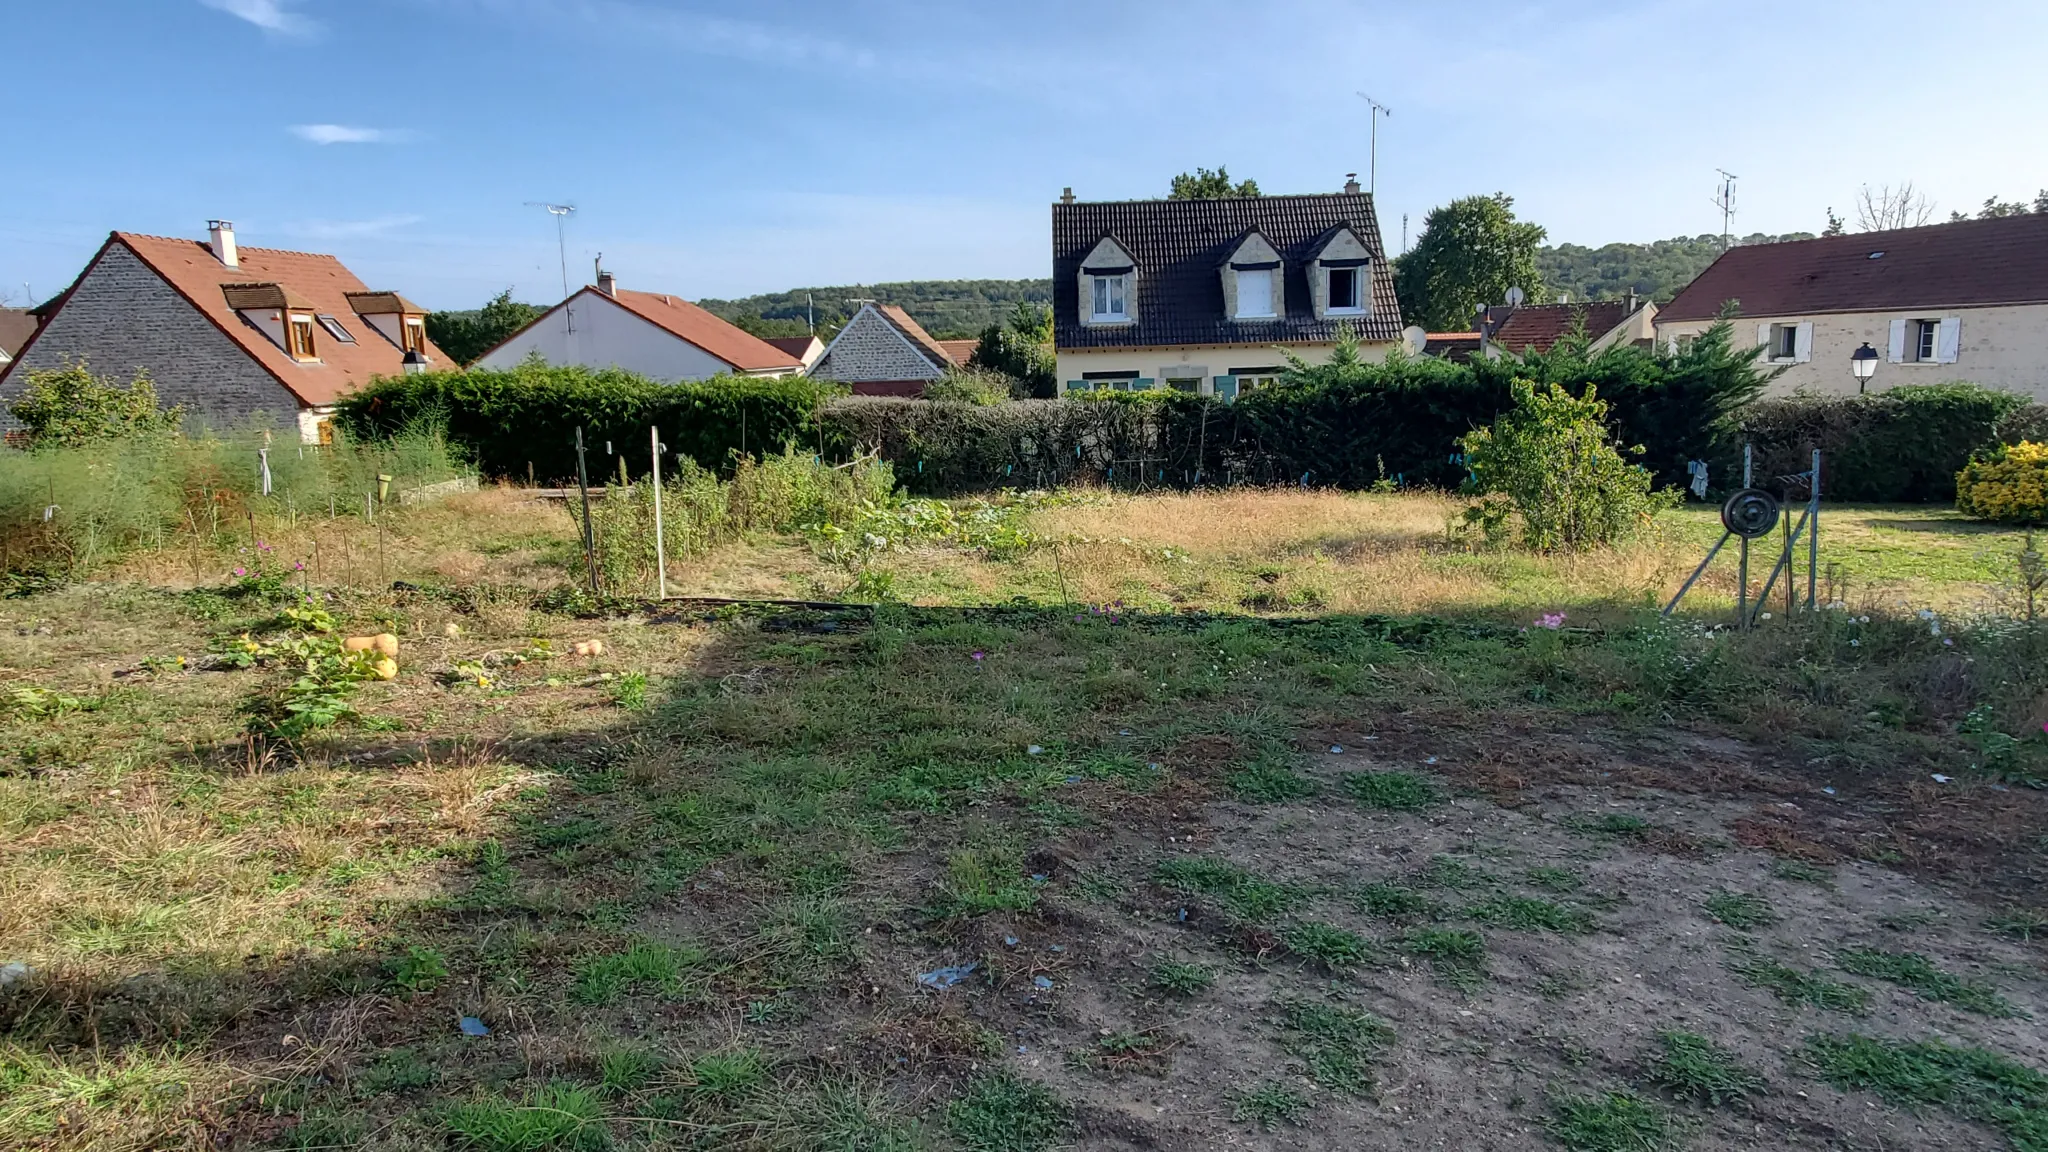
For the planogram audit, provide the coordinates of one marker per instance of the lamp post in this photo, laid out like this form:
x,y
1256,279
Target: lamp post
x,y
1863,362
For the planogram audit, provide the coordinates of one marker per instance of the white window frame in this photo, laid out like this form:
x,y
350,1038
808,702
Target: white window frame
x,y
1785,342
1357,306
1926,341
1113,292
1267,275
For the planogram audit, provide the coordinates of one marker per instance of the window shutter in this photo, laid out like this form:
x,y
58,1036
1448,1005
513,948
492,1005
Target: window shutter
x,y
1802,343
1948,343
1898,353
1226,388
1763,336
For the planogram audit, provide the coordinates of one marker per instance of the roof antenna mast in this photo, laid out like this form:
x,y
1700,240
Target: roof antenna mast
x,y
1724,199
1378,110
561,214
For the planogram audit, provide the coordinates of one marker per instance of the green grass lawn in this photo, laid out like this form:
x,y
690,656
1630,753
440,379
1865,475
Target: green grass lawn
x,y
1026,877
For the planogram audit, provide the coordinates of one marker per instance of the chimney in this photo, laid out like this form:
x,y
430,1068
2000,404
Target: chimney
x,y
1631,301
1066,195
220,235
607,283
1351,183
1564,298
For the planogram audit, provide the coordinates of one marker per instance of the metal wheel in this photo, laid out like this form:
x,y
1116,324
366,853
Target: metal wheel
x,y
1750,513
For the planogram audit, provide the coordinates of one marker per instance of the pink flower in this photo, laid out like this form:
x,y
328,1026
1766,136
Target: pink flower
x,y
299,567
241,572
1551,620
977,657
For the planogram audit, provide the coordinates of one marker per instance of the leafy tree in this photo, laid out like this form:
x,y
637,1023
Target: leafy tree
x,y
1552,461
1836,225
948,309
1470,253
1207,185
1995,209
1021,351
970,385
468,335
64,407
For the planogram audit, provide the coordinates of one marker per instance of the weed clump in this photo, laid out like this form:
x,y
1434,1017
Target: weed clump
x,y
1693,1066
1336,1045
1917,973
1614,1122
1391,791
1741,910
1005,1113
553,1118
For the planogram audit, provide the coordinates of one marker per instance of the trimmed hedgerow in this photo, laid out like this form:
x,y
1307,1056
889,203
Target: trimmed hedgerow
x,y
1901,446
510,421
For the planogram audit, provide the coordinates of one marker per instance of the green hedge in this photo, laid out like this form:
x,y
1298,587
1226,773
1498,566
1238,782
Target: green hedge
x,y
1347,424
1900,446
510,422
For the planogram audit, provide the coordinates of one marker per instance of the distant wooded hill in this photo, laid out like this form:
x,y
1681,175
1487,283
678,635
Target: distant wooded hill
x,y
957,309
1656,270
948,309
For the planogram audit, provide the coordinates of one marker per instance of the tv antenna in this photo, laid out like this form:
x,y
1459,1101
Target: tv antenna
x,y
1378,110
561,214
1724,199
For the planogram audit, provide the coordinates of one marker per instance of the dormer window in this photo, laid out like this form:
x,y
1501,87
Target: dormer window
x,y
1112,298
1255,293
1344,294
415,335
299,337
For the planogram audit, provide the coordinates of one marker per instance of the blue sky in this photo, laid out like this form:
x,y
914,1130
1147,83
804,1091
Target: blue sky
x,y
724,149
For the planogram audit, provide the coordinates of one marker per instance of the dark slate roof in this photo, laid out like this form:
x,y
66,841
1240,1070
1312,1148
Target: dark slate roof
x,y
1538,326
1968,263
1179,247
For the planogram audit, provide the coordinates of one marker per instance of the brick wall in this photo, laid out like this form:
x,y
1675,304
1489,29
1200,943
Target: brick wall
x,y
870,348
123,317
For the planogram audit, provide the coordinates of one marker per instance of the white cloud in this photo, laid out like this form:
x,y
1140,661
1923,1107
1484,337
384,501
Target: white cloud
x,y
348,229
346,134
269,15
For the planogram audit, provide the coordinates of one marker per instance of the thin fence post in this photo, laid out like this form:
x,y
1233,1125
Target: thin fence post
x,y
1813,538
660,553
589,531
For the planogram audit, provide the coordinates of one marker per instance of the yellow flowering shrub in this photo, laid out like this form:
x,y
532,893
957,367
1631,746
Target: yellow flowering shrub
x,y
2008,484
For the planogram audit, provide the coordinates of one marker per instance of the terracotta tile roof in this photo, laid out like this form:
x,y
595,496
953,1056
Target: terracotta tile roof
x,y
1968,263
251,297
1457,347
1538,326
320,282
737,347
959,351
1178,245
382,303
910,328
797,346
16,326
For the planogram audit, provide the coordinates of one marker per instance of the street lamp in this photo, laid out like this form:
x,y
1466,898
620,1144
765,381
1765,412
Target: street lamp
x,y
1863,362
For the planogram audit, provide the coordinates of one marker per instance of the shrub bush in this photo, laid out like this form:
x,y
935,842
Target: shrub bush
x,y
1902,446
1553,461
2027,422
526,418
2008,483
68,406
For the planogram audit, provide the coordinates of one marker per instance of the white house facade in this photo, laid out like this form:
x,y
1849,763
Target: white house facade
x,y
659,336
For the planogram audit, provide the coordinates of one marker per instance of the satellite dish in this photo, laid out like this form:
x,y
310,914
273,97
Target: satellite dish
x,y
1515,297
1415,336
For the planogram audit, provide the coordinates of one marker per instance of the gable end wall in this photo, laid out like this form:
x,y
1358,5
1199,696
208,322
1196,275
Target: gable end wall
x,y
123,317
872,349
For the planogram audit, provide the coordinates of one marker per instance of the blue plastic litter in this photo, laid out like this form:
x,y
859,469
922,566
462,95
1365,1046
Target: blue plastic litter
x,y
1336,749
1073,779
471,1026
1183,917
1039,877
1057,948
947,977
1009,941
1042,983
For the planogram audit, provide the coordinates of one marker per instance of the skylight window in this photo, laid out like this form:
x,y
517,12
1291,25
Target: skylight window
x,y
335,329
